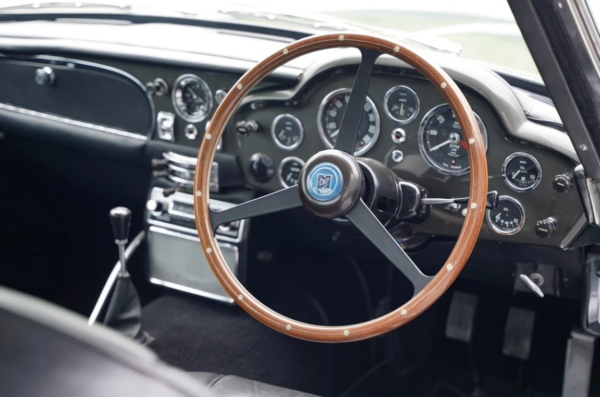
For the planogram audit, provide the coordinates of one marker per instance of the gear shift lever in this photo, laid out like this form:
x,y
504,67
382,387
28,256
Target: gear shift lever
x,y
120,218
124,312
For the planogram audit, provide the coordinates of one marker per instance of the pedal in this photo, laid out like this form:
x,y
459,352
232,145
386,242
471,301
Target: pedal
x,y
578,365
461,317
518,333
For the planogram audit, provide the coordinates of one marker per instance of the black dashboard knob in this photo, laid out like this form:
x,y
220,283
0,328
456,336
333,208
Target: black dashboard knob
x,y
246,127
562,183
546,227
261,167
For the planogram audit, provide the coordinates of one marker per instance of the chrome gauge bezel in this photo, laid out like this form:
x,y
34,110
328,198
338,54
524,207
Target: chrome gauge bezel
x,y
328,97
424,153
519,188
510,232
274,133
280,169
175,98
387,110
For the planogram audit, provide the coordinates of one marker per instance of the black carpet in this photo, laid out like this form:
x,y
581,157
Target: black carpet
x,y
198,335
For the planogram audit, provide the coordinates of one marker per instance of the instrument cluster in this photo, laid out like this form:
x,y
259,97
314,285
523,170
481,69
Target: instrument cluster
x,y
441,143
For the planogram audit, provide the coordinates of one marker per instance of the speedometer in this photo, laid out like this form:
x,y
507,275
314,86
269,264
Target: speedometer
x,y
192,98
442,142
331,113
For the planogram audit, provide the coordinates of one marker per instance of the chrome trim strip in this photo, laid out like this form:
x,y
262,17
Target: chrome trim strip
x,y
180,159
488,216
518,188
135,243
75,123
192,291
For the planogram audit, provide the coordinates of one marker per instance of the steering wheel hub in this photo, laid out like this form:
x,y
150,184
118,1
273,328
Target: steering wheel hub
x,y
331,182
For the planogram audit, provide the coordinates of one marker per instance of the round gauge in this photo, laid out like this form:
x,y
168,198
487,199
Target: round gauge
x,y
442,142
287,131
508,218
522,172
192,98
289,171
402,104
330,117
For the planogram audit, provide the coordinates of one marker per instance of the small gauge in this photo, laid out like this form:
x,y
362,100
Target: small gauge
x,y
508,218
402,104
192,98
289,171
442,142
522,172
331,113
287,131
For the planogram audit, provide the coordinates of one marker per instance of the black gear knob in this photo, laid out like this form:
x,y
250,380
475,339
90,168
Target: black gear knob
x,y
120,218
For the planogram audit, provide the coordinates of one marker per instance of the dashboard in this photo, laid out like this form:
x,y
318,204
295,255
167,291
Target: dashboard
x,y
406,125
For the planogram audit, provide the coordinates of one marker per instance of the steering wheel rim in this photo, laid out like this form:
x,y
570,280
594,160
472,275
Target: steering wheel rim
x,y
371,48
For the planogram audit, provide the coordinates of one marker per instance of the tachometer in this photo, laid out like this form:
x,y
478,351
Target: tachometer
x,y
192,98
330,117
442,142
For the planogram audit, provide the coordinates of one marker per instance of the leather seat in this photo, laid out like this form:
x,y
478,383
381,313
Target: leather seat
x,y
234,386
48,351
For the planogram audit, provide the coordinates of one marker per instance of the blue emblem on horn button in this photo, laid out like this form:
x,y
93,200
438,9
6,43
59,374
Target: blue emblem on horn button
x,y
324,182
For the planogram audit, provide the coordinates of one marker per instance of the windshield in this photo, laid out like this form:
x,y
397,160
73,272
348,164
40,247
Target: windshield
x,y
481,30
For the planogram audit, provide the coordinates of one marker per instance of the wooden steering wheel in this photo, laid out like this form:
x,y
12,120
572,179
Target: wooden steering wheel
x,y
331,185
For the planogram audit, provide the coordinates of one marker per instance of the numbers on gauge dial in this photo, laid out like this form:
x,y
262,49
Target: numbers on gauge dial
x,y
331,113
401,104
192,98
508,218
287,132
442,142
289,171
522,172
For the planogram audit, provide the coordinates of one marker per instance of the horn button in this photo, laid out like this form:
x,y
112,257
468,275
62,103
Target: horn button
x,y
331,182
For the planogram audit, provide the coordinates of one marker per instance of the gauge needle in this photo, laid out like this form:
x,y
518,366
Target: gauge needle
x,y
514,175
402,110
334,134
436,147
193,93
281,134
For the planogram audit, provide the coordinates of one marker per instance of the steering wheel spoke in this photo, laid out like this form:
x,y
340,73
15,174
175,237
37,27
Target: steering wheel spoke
x,y
280,200
362,217
348,133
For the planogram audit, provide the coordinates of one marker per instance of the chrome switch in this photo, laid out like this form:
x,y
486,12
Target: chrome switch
x,y
165,126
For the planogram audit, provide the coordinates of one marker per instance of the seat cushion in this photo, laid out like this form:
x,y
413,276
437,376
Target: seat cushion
x,y
233,386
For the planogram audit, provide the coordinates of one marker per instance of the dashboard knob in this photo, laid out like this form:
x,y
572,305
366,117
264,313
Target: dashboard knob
x,y
546,227
246,127
155,207
261,167
562,183
45,76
